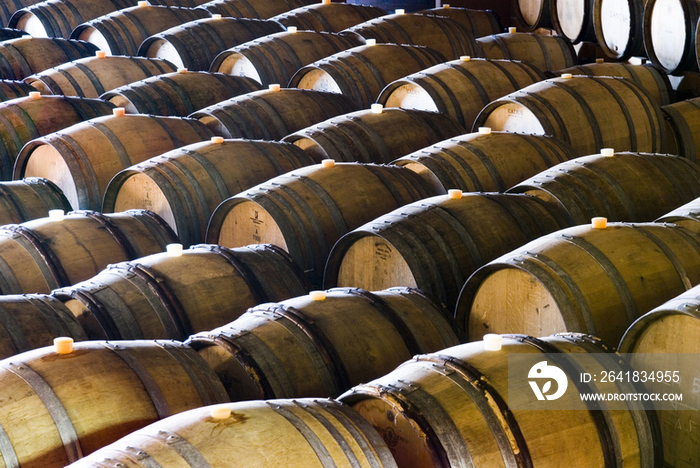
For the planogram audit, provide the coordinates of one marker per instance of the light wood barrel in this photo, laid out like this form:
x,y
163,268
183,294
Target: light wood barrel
x,y
29,55
184,186
31,321
670,28
619,27
362,72
671,329
164,296
122,32
435,244
650,77
368,137
548,53
683,125
533,14
272,115
83,158
588,112
276,57
573,19
687,216
331,17
10,89
583,279
630,187
460,88
41,255
307,210
445,35
7,9
479,22
57,408
486,162
29,198
178,94
274,434
194,45
28,118
57,18
452,407
92,77
302,346
257,9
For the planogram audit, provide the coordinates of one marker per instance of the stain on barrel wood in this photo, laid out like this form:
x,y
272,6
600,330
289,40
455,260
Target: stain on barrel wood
x,y
29,55
548,53
29,198
619,27
479,22
328,17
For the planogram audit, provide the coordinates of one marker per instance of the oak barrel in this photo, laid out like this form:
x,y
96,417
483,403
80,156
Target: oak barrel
x,y
194,45
588,112
276,57
7,34
184,186
25,119
178,94
10,89
687,216
486,161
670,28
619,27
435,244
307,210
165,296
57,408
274,434
479,22
272,114
7,9
573,19
445,35
548,53
329,17
29,55
83,158
29,198
630,187
683,124
58,18
324,343
460,88
93,76
178,3
533,14
452,408
391,5
258,9
122,32
362,72
582,279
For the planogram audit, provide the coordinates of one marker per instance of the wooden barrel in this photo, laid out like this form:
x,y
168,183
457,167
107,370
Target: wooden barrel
x,y
437,243
178,94
323,344
460,88
390,6
486,161
573,19
683,124
307,210
258,9
83,158
274,434
24,119
184,186
583,279
57,18
630,187
670,29
647,76
588,112
670,330
329,17
619,27
178,3
10,89
92,77
41,255
272,114
7,9
479,22
687,216
362,72
445,35
29,198
452,407
548,53
533,14
7,34
368,137
31,321
26,56
57,408
194,45
164,296
276,57
122,32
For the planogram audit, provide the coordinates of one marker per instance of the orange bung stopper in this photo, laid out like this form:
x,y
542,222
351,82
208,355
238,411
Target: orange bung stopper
x,y
454,194
599,60
217,139
317,295
607,152
142,4
328,163
274,87
100,54
599,223
512,30
119,112
182,70
63,345
220,412
34,94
